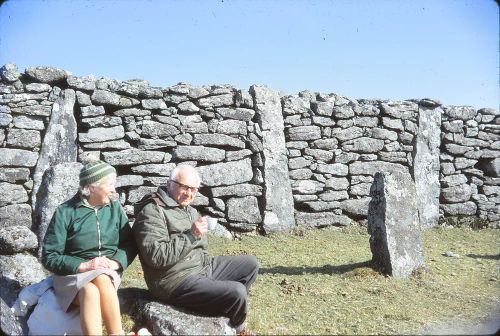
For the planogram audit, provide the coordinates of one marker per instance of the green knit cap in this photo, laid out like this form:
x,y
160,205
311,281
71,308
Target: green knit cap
x,y
94,171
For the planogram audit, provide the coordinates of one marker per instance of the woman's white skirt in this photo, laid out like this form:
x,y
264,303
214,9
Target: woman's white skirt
x,y
66,287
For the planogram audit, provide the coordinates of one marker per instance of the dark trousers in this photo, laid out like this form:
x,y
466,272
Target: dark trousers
x,y
221,289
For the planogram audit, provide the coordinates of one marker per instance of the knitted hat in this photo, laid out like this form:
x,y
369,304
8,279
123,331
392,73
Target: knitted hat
x,y
94,171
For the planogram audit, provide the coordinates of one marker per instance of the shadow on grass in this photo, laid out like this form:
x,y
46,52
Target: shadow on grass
x,y
326,269
484,256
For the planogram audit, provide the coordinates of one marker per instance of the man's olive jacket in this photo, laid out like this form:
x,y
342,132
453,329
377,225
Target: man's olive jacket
x,y
168,251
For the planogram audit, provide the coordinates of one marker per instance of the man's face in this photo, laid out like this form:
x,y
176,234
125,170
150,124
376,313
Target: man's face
x,y
184,189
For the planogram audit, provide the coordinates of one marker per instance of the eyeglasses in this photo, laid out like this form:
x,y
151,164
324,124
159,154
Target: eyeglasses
x,y
185,187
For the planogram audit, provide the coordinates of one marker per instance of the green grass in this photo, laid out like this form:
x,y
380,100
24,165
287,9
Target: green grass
x,y
320,282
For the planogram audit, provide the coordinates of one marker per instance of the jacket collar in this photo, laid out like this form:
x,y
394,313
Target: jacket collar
x,y
165,197
82,202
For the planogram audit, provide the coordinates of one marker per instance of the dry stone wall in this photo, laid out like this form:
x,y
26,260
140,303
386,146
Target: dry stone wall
x,y
268,161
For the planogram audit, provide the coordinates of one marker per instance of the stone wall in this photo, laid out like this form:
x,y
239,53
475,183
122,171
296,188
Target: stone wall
x,y
268,162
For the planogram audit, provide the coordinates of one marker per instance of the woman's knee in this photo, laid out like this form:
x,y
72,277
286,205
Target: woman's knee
x,y
103,281
88,291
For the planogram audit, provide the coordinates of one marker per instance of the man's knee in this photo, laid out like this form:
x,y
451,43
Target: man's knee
x,y
253,262
237,292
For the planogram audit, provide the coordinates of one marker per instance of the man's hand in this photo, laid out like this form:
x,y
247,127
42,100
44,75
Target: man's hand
x,y
199,228
98,263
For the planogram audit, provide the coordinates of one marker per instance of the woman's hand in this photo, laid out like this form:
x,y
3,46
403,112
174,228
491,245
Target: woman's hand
x,y
98,263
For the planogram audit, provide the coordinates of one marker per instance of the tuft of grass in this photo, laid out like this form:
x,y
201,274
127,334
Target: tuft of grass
x,y
320,282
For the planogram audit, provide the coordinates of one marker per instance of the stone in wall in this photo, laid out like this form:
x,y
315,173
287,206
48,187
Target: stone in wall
x,y
239,113
137,193
363,145
85,83
226,173
355,208
155,129
162,169
15,239
216,101
199,153
235,127
304,133
104,97
17,158
92,111
393,225
491,167
12,194
20,138
28,122
15,215
459,209
322,219
102,134
5,119
244,209
129,180
218,140
133,157
9,73
239,190
47,74
59,143
371,168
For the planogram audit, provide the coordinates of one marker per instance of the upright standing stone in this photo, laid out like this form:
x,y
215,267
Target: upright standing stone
x,y
426,165
278,199
393,225
59,143
59,184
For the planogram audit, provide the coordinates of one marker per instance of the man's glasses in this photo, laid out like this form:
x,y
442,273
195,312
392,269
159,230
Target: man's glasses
x,y
184,187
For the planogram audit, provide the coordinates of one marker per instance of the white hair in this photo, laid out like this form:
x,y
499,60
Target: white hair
x,y
174,175
85,190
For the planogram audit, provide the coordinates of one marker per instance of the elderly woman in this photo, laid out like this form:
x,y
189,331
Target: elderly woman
x,y
87,245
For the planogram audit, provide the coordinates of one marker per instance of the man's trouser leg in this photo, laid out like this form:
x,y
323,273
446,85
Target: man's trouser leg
x,y
220,290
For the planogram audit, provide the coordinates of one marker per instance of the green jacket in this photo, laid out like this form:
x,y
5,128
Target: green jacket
x,y
167,249
79,232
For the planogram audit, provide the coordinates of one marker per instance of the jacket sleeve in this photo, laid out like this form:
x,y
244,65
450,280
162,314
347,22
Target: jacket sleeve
x,y
157,248
54,243
127,249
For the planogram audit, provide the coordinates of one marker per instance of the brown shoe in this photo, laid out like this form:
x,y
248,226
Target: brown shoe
x,y
246,332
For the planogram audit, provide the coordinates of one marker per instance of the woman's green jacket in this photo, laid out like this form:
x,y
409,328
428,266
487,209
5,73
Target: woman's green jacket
x,y
78,232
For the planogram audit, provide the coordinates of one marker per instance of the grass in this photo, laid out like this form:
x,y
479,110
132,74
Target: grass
x,y
320,282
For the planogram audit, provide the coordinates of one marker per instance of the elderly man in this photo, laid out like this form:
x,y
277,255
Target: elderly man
x,y
170,235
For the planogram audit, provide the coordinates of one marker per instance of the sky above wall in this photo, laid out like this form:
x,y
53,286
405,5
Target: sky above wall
x,y
373,49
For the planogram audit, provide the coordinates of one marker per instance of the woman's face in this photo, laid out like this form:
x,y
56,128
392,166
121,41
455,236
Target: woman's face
x,y
102,193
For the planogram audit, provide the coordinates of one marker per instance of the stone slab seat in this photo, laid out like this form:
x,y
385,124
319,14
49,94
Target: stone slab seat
x,y
163,319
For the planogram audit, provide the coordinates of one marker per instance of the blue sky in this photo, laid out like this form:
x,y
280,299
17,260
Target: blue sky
x,y
382,49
